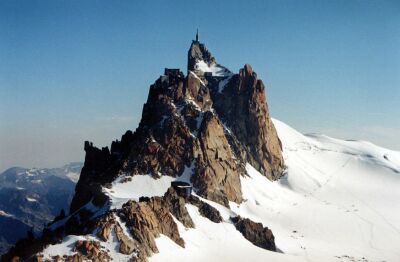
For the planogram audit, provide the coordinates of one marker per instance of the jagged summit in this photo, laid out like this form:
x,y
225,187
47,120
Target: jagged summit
x,y
203,63
198,52
218,123
200,128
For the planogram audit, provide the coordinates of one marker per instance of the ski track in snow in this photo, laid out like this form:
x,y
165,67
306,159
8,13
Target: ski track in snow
x,y
338,201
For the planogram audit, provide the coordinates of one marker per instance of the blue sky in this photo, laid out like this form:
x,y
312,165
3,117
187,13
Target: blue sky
x,y
80,70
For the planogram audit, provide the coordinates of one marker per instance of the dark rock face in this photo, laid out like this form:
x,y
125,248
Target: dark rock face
x,y
255,233
176,205
127,245
206,210
198,92
217,175
169,142
242,105
146,220
101,167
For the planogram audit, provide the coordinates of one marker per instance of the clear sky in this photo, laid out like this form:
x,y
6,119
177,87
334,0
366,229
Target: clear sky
x,y
80,70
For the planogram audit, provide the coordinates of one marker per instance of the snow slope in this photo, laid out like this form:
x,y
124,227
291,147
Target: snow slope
x,y
211,241
339,201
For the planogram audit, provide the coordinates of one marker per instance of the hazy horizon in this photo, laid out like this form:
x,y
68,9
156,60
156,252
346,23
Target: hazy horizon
x,y
76,71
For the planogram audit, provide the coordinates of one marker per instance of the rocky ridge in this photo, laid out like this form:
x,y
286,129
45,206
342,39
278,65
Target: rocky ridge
x,y
211,120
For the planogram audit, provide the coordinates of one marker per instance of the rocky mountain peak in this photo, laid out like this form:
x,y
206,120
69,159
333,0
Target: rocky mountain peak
x,y
202,63
199,52
201,128
211,120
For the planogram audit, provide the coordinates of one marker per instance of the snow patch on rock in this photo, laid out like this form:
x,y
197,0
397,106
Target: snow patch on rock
x,y
126,188
215,69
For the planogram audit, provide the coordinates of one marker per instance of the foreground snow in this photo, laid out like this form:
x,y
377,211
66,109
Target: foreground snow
x,y
211,241
339,201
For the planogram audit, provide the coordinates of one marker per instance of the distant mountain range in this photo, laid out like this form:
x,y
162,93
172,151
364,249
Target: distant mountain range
x,y
31,198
